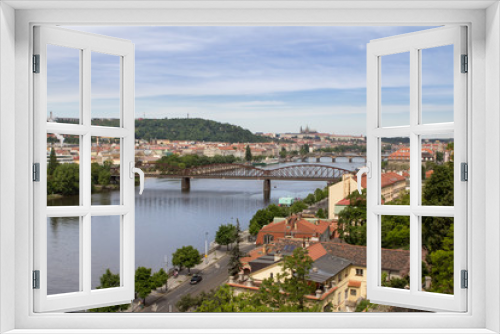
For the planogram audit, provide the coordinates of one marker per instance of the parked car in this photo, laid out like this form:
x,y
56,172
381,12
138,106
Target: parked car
x,y
195,279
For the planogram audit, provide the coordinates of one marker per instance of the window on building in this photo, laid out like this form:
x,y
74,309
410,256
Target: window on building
x,y
353,292
359,272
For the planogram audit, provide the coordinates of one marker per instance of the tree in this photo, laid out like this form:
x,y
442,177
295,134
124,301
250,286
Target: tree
x,y
159,278
295,284
226,234
321,214
66,179
109,280
248,154
104,177
283,153
143,283
439,157
234,264
187,256
264,216
53,163
352,220
442,266
298,206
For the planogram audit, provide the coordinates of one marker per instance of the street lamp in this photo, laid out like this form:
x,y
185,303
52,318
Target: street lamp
x,y
206,247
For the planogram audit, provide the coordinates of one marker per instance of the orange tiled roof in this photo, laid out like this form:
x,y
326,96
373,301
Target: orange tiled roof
x,y
316,251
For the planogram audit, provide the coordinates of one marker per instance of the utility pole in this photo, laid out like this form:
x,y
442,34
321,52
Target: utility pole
x,y
206,247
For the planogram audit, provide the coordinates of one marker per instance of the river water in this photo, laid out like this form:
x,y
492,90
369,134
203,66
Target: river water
x,y
166,219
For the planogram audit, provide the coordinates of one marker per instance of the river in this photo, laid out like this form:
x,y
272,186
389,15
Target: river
x,y
166,219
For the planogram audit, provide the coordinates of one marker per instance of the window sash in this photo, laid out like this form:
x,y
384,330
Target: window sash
x,y
85,298
412,43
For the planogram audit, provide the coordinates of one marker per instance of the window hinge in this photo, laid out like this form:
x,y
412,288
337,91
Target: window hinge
x,y
465,64
464,171
36,279
36,63
465,279
36,172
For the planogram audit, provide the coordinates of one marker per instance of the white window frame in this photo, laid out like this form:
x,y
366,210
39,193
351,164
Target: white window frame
x,y
483,20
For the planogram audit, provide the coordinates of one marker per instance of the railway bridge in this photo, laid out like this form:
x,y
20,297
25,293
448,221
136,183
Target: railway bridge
x,y
300,172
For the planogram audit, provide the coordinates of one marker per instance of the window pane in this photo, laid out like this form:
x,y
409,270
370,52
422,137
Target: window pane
x,y
105,251
395,251
105,171
438,259
395,171
63,255
395,89
105,89
437,170
63,170
437,84
63,84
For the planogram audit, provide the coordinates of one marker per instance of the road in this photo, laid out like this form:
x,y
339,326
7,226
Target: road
x,y
213,277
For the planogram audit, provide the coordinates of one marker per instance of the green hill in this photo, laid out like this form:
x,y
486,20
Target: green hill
x,y
193,129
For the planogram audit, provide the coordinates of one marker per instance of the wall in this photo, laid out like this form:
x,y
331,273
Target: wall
x,y
7,157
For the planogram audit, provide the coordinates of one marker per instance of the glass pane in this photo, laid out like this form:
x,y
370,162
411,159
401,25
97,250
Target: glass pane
x,y
63,255
105,171
395,89
63,84
437,245
105,251
395,251
437,84
437,170
395,171
105,89
63,170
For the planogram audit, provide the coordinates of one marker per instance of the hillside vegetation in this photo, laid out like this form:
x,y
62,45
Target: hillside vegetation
x,y
196,129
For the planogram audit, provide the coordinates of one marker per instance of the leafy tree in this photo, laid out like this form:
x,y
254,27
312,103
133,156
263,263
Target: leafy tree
x,y
104,177
439,157
248,154
310,199
226,234
109,280
53,163
304,149
298,206
264,216
66,179
143,283
438,190
159,278
295,284
234,264
442,266
397,283
352,220
321,214
186,256
283,153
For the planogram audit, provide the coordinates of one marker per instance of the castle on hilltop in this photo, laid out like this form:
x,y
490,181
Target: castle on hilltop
x,y
307,130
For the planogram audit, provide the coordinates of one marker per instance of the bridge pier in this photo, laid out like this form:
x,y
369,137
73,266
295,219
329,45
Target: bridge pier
x,y
185,184
267,189
334,159
318,159
349,159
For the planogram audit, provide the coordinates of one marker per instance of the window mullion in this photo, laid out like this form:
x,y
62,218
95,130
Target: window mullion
x,y
415,256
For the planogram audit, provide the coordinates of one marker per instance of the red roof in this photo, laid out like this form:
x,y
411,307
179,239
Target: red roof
x,y
387,179
345,201
293,227
316,251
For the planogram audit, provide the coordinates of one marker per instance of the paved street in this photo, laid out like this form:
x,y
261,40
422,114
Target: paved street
x,y
213,276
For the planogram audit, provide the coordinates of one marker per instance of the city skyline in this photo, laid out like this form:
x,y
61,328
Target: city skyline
x,y
291,76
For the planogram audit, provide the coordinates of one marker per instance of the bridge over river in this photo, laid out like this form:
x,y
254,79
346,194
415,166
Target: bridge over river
x,y
302,172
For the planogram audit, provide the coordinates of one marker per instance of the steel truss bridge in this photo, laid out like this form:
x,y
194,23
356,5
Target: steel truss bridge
x,y
299,172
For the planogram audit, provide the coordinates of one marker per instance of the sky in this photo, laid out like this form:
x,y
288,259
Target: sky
x,y
265,79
